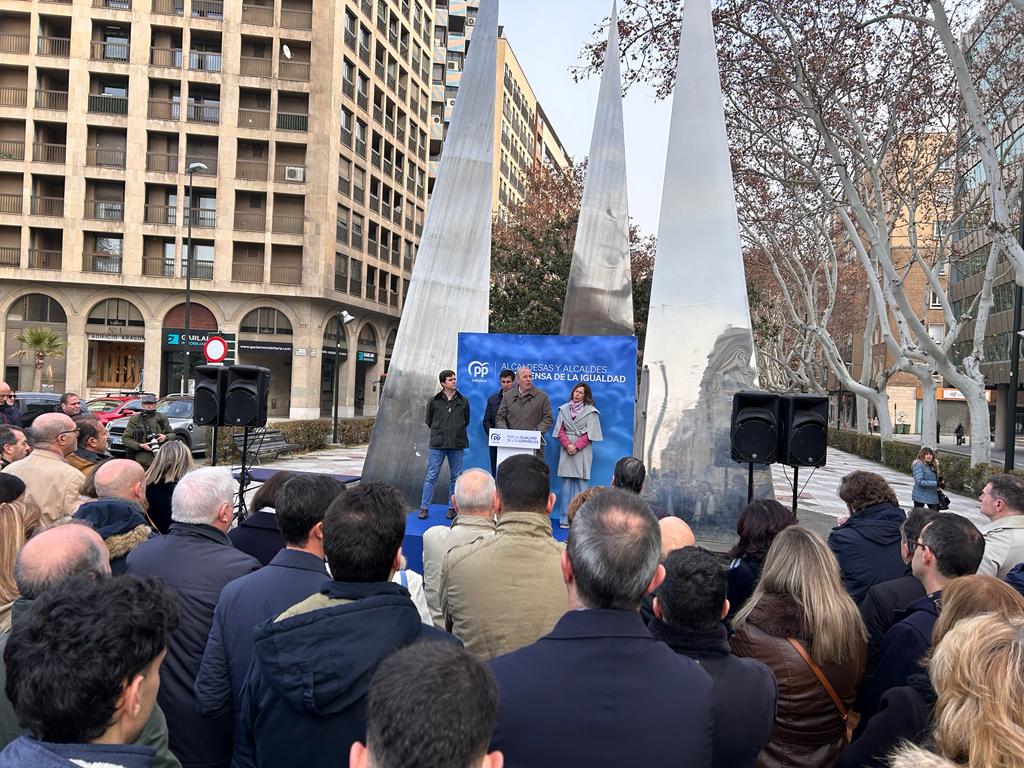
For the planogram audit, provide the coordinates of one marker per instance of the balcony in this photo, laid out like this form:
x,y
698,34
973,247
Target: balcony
x,y
101,103
263,15
252,66
10,202
161,214
287,224
258,119
204,61
255,170
203,113
109,51
292,121
104,210
203,218
293,70
295,19
293,174
10,43
10,256
364,54
41,258
10,149
55,100
165,109
161,162
208,9
165,57
43,152
169,7
47,206
115,5
285,274
106,157
53,46
106,263
247,273
201,270
157,266
11,96
247,221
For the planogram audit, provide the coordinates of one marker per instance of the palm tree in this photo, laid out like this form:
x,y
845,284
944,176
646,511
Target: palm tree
x,y
41,343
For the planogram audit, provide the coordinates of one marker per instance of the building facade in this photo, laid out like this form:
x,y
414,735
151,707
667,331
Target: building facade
x,y
126,123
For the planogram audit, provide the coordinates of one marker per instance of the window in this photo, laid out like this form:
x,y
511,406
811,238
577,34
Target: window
x,y
116,312
934,301
37,308
937,331
266,320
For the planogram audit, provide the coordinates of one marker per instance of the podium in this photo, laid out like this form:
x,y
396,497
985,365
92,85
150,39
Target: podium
x,y
511,442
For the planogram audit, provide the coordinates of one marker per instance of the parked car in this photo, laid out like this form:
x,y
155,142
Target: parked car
x,y
178,410
114,406
31,404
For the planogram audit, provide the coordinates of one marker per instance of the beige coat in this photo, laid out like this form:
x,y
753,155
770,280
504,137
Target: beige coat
x,y
1004,546
502,592
438,541
51,484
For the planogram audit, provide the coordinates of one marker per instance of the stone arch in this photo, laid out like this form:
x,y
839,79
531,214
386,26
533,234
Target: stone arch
x,y
266,301
166,307
253,321
201,318
115,315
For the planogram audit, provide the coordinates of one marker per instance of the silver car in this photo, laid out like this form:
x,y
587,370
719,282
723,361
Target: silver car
x,y
178,410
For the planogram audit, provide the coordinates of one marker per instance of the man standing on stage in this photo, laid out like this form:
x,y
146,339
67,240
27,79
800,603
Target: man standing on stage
x,y
526,407
507,379
447,417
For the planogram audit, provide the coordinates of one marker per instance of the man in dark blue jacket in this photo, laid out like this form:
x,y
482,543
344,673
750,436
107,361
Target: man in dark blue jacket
x,y
507,378
598,690
295,573
447,416
196,560
304,700
689,608
949,546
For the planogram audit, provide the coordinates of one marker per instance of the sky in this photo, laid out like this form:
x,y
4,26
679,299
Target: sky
x,y
547,36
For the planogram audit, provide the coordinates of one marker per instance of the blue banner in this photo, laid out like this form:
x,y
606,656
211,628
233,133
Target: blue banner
x,y
559,363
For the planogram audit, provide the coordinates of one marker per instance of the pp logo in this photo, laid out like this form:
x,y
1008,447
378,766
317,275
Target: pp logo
x,y
495,438
478,371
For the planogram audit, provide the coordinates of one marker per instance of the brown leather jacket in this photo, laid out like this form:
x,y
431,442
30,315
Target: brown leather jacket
x,y
808,732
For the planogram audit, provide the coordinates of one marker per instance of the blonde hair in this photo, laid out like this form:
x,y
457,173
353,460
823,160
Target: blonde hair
x,y
172,462
978,672
968,596
799,565
16,522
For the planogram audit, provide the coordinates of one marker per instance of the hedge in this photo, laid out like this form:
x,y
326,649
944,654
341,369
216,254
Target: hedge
x,y
309,435
956,468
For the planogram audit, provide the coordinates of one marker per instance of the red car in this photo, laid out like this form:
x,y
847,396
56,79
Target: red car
x,y
111,407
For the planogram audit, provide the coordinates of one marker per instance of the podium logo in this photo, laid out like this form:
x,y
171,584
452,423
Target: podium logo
x,y
478,370
495,438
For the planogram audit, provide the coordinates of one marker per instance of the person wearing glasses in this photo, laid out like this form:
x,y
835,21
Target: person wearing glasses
x,y
52,484
9,411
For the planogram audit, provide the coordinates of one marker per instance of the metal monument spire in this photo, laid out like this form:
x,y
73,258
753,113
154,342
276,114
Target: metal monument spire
x,y
599,294
699,349
449,291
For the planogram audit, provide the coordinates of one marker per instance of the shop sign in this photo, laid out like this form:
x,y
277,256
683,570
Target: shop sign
x,y
173,339
264,346
330,352
366,357
116,337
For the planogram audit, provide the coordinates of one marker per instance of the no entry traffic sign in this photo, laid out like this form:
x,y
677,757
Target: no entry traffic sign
x,y
215,349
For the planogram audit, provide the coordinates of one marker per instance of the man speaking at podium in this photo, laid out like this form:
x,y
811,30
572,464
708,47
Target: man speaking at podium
x,y
526,407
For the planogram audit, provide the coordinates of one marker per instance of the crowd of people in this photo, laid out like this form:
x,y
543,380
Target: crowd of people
x,y
141,625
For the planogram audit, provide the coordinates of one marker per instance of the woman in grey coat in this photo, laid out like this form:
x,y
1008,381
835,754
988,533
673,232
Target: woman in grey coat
x,y
577,425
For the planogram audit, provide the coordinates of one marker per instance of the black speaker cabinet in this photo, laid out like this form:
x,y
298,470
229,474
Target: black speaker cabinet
x,y
245,399
755,427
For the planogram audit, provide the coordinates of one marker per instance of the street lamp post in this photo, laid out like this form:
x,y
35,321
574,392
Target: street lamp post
x,y
190,169
344,318
1009,453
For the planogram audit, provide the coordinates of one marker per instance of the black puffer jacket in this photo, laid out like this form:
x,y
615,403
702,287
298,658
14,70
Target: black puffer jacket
x,y
867,547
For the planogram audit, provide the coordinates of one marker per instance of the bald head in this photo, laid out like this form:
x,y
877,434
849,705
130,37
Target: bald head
x,y
120,479
5,389
675,534
55,432
58,553
475,494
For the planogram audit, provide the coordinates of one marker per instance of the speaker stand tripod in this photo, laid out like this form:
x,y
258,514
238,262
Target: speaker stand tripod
x,y
796,474
245,476
750,481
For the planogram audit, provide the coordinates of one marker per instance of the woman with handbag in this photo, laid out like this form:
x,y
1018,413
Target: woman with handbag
x,y
801,623
927,480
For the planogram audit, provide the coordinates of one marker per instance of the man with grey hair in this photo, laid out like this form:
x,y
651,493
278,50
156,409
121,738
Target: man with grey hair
x,y
51,483
476,504
48,559
623,698
525,407
196,560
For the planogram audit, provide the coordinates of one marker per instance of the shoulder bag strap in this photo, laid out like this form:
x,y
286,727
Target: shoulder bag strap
x,y
821,677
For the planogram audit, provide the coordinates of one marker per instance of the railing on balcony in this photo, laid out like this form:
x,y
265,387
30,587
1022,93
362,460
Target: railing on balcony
x,y
44,258
101,103
161,162
53,46
251,169
253,66
293,70
203,113
10,256
208,9
11,149
11,96
10,202
288,224
296,19
43,152
165,57
363,100
205,218
249,221
109,51
254,118
116,5
157,266
169,7
366,8
107,263
106,157
201,270
204,61
58,2
47,206
246,273
45,99
161,214
364,54
286,274
105,210
350,39
165,109
10,43
258,14
294,173
292,121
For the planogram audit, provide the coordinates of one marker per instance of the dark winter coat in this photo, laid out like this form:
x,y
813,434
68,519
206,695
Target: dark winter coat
x,y
809,730
744,692
10,415
599,692
196,561
122,524
868,548
158,495
740,579
448,420
26,752
883,606
1015,578
904,714
491,411
304,699
259,536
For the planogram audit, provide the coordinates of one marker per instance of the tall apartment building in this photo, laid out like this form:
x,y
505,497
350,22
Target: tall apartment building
x,y
287,116
524,139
